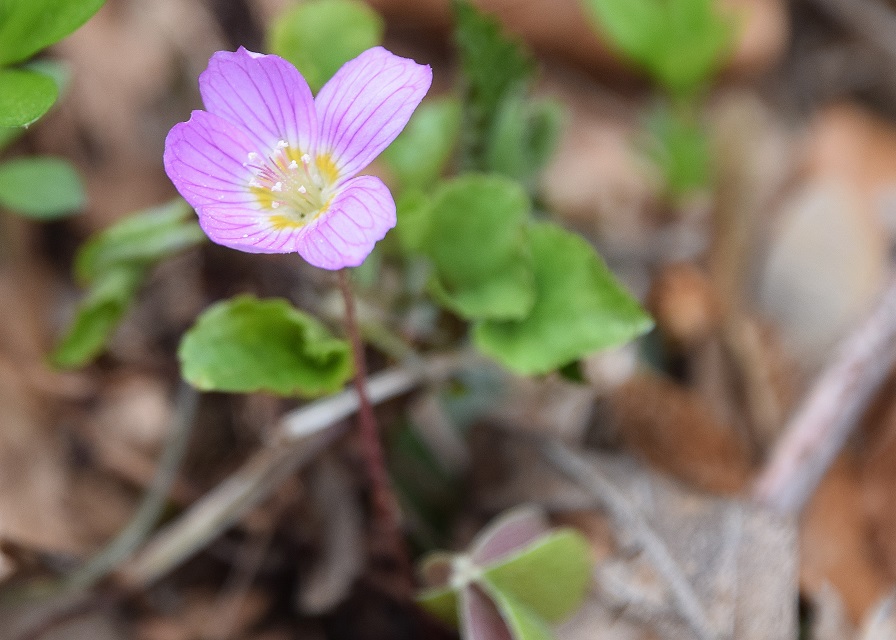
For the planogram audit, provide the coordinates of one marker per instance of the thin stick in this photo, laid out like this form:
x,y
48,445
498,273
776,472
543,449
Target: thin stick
x,y
386,513
818,430
631,523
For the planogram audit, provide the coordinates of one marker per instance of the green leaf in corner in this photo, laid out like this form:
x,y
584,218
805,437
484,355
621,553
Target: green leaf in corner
x,y
419,154
579,308
441,603
245,344
494,65
27,26
41,188
319,36
140,239
475,237
97,317
24,96
564,556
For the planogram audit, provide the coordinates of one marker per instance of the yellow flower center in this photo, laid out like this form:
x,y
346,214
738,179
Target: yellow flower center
x,y
291,185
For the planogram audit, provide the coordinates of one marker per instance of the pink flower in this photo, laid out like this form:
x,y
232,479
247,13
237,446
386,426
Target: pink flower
x,y
269,169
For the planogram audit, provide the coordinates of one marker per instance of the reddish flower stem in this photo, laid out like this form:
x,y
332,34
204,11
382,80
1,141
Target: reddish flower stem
x,y
386,512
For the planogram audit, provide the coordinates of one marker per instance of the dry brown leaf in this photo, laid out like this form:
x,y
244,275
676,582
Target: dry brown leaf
x,y
835,544
671,427
880,623
829,619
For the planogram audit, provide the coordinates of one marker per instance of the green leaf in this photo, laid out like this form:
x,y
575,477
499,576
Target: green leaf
x,y
681,43
550,576
8,135
476,239
579,308
140,239
412,211
27,26
41,188
680,149
523,137
24,96
97,317
442,603
524,624
320,36
419,154
245,344
494,66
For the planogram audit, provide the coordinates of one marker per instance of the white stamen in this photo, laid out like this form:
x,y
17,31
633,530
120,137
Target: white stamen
x,y
274,204
281,144
302,189
306,159
293,165
254,183
277,187
253,156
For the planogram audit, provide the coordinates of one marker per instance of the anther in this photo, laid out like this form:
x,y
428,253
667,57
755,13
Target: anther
x,y
302,189
293,165
281,144
277,187
274,204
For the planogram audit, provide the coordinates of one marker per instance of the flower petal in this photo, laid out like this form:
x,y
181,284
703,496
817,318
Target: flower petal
x,y
204,158
366,105
264,94
359,215
480,618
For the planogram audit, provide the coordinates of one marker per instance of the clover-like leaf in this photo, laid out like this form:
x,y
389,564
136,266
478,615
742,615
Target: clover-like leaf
x,y
97,317
245,344
681,43
114,264
41,188
320,36
579,308
475,237
419,154
24,96
523,136
562,555
140,239
27,26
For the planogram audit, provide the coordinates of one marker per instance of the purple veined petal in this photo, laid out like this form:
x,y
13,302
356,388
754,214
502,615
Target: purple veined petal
x,y
480,618
264,94
366,105
358,216
509,533
204,159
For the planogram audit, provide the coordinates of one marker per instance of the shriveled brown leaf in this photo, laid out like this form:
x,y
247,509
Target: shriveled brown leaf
x,y
672,427
835,545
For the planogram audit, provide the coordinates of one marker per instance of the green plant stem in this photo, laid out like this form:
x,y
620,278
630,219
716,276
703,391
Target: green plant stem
x,y
386,513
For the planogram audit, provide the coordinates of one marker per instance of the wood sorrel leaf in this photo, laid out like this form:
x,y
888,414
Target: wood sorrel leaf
x,y
680,43
523,622
320,36
476,238
494,66
27,26
140,240
420,152
24,96
245,344
579,308
549,577
41,188
114,263
523,136
97,317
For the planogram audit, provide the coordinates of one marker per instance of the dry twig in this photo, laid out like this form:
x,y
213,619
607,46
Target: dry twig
x,y
835,402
